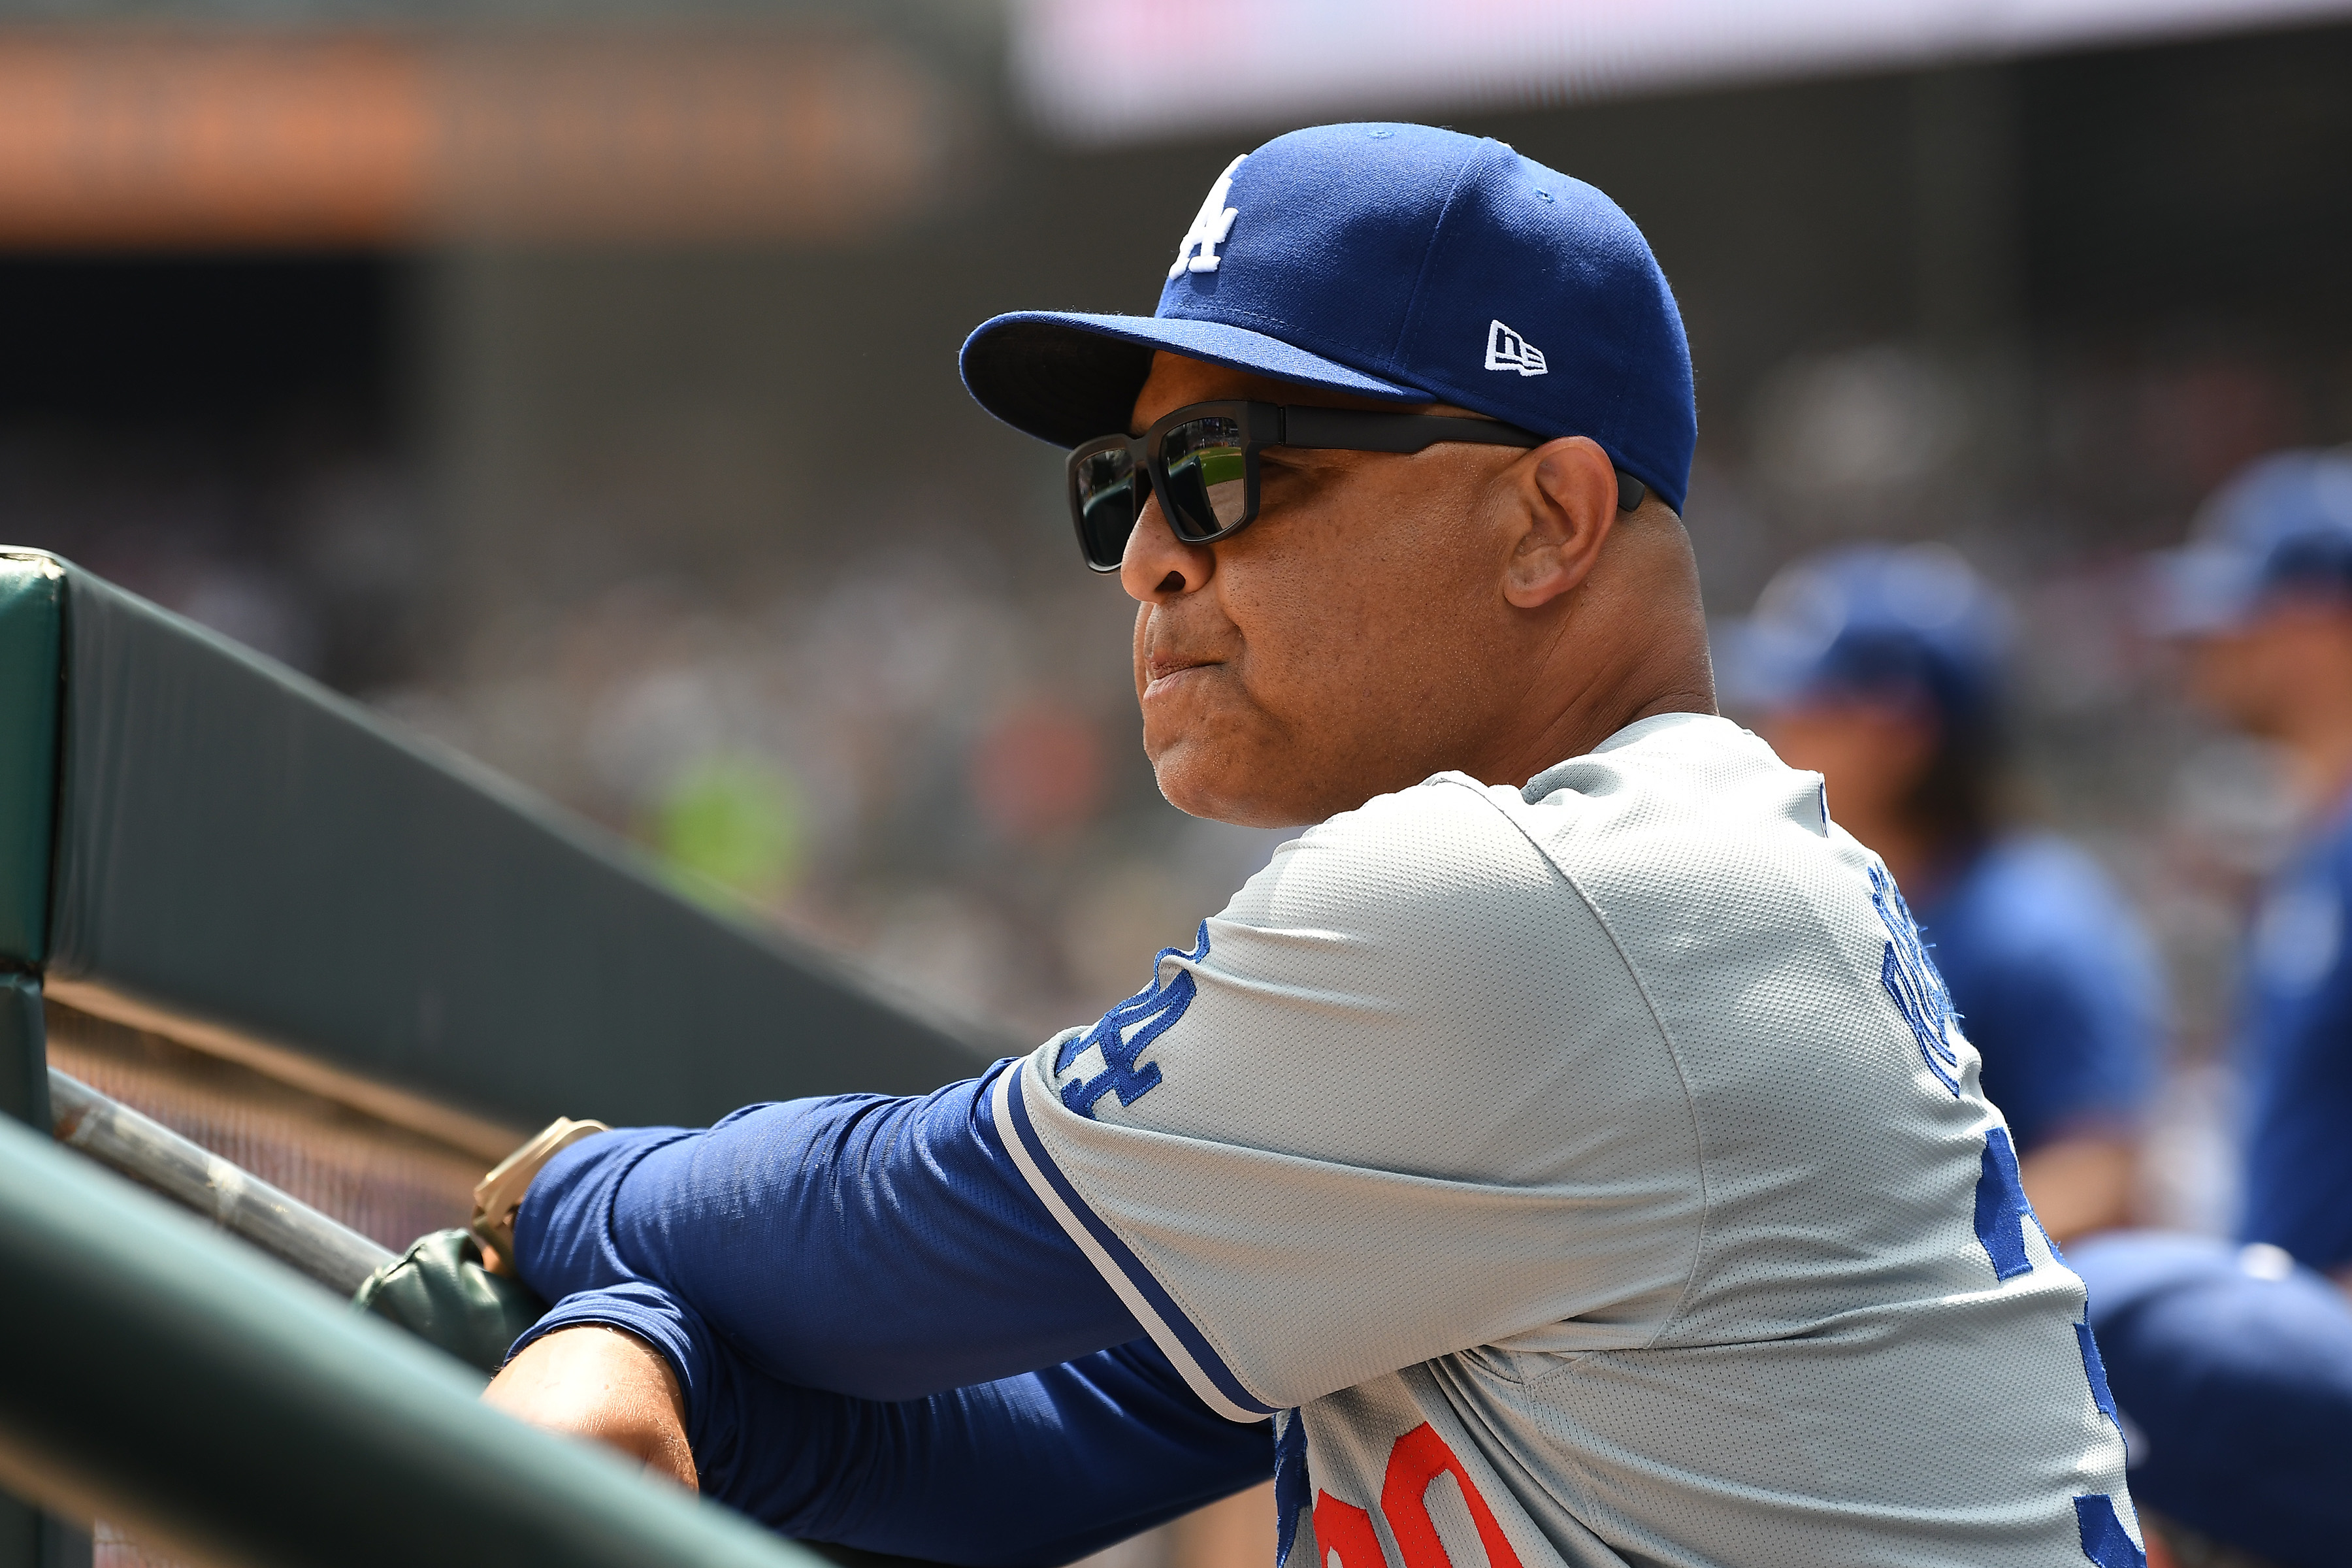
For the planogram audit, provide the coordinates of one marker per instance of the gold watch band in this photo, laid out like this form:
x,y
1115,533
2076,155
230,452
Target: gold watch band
x,y
498,1195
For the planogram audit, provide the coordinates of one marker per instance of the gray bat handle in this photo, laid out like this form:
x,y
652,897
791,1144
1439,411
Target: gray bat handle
x,y
155,1156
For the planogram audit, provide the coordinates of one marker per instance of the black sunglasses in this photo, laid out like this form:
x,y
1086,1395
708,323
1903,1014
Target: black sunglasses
x,y
1201,462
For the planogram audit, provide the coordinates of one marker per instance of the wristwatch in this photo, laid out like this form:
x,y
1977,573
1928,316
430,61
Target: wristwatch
x,y
498,1195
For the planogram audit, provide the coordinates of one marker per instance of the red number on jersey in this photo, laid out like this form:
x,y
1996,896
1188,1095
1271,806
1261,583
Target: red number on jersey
x,y
1345,1531
1419,1458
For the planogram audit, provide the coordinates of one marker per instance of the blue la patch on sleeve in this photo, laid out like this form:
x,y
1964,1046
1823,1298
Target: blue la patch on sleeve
x,y
1126,1030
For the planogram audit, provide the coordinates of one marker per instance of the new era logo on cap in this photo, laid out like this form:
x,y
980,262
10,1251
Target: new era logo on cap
x,y
1211,224
1506,350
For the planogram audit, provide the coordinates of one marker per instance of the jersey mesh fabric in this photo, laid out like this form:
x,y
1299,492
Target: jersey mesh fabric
x,y
1566,1158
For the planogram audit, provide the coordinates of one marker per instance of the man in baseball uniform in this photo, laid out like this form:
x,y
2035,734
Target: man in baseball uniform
x,y
2261,601
1564,1152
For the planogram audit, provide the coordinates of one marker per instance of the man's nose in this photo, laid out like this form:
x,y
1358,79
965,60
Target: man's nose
x,y
1157,566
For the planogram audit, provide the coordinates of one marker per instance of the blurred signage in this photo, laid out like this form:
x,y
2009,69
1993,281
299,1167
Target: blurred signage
x,y
116,137
1103,70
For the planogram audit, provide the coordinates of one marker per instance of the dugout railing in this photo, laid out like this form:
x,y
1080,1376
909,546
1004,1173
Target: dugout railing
x,y
358,965
166,1377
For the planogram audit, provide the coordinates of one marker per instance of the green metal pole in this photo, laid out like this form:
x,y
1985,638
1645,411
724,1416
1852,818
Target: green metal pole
x,y
192,1176
216,1403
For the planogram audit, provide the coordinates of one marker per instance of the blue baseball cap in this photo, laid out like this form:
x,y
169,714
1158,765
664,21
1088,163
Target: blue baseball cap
x,y
2281,526
2231,1375
1909,623
1390,261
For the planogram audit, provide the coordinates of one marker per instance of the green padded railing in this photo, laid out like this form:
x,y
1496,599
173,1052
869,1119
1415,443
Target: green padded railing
x,y
32,604
233,842
32,620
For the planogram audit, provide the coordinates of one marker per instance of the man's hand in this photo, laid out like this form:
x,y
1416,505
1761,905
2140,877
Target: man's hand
x,y
595,1382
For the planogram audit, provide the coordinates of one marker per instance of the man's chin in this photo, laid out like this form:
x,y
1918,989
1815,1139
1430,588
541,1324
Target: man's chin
x,y
1199,781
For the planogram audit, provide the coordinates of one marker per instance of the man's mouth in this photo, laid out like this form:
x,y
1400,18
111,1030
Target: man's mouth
x,y
1163,671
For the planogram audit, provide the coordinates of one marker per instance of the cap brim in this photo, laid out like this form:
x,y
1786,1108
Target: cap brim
x,y
1066,377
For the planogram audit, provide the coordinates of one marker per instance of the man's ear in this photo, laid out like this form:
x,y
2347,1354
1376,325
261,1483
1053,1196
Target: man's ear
x,y
1567,491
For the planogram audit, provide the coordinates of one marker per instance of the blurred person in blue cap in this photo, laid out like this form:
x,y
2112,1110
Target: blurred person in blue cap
x,y
1880,668
1563,1153
2261,601
2230,1369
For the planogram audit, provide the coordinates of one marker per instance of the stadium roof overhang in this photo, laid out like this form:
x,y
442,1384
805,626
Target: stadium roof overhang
x,y
1114,70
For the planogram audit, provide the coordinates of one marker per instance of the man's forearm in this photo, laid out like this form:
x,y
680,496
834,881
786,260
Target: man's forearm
x,y
878,1248
1039,1468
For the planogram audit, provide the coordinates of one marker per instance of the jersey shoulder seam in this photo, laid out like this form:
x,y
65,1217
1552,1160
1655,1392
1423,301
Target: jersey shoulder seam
x,y
1665,1037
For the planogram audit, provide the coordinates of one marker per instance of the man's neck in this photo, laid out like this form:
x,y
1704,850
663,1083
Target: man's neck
x,y
1606,708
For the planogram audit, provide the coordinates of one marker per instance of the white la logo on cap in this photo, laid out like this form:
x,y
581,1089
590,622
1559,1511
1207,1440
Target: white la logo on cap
x,y
1506,350
1210,226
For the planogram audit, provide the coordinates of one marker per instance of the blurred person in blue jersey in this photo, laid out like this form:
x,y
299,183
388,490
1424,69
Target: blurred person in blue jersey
x,y
2261,601
1880,668
2230,1373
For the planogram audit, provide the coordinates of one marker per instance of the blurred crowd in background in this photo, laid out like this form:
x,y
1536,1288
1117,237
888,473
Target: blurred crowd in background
x,y
656,491
692,529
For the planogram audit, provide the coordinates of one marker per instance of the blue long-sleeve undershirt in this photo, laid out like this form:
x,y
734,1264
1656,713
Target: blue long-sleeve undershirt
x,y
879,1329
871,1245
1036,1469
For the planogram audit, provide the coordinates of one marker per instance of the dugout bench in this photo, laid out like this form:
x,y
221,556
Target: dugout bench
x,y
304,936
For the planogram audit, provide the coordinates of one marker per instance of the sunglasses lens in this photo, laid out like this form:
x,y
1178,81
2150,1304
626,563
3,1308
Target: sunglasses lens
x,y
1204,467
1107,494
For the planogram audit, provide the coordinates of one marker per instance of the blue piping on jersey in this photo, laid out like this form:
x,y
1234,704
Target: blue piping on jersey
x,y
1196,1344
1291,1488
2104,1539
2096,1371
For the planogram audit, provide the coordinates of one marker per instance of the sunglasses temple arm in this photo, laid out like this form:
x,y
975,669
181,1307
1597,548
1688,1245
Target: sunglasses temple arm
x,y
1349,429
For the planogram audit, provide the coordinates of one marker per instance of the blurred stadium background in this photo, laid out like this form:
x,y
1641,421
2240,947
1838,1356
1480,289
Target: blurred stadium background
x,y
577,384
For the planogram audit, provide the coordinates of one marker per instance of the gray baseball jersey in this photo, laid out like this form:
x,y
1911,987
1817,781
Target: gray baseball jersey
x,y
1592,1173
